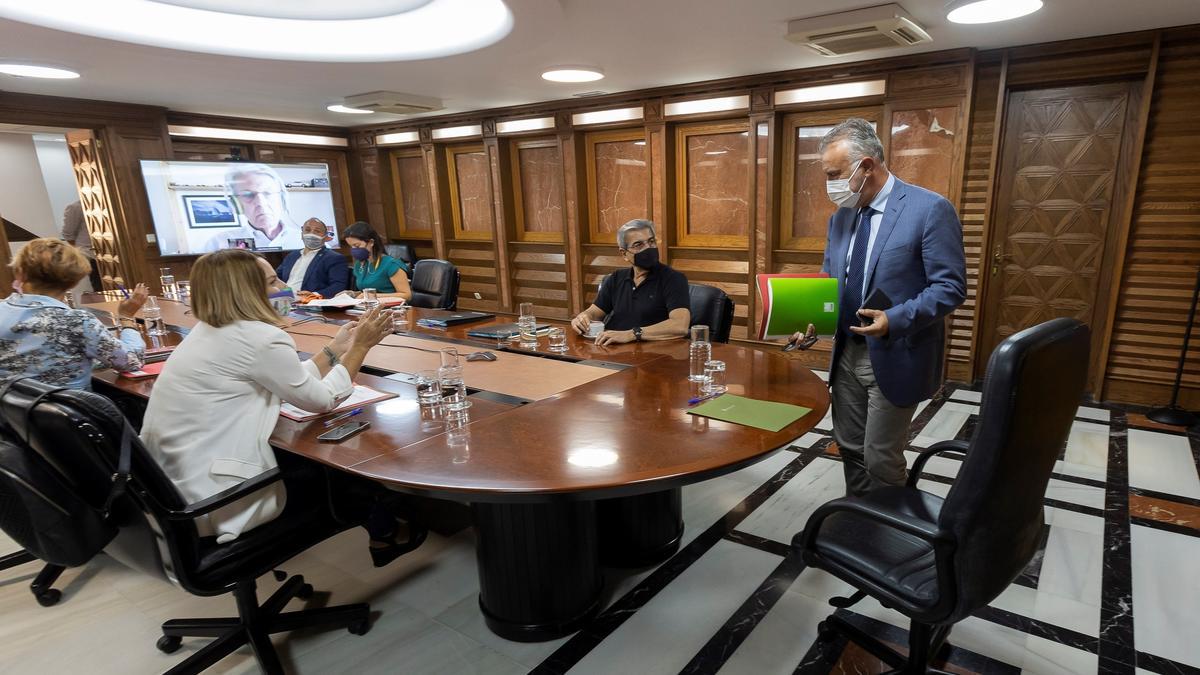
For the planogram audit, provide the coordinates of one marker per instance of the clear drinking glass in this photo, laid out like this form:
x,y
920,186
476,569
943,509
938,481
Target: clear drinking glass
x,y
714,373
699,352
558,339
184,289
450,375
429,392
370,298
166,279
527,325
152,314
458,437
399,318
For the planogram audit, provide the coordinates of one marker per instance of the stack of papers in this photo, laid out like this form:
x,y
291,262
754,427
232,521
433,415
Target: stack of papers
x,y
346,302
361,396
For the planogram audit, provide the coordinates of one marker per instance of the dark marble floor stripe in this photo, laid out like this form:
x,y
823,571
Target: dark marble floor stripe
x,y
1049,631
1033,571
919,422
1068,478
1077,508
1165,526
742,622
761,543
1116,653
1165,496
1164,666
578,646
955,656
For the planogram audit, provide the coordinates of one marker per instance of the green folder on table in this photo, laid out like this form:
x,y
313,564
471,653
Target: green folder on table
x,y
750,412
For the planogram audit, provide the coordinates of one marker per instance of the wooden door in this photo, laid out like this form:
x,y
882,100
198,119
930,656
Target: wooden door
x,y
114,260
1062,169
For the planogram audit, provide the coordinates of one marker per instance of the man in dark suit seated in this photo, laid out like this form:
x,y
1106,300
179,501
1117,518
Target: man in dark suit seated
x,y
316,268
646,301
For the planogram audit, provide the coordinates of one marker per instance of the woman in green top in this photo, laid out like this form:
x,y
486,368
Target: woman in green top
x,y
372,267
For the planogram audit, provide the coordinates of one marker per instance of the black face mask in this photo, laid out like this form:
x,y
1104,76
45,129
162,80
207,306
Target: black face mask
x,y
646,259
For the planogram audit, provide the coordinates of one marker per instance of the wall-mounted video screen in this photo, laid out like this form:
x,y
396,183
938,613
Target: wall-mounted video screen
x,y
205,206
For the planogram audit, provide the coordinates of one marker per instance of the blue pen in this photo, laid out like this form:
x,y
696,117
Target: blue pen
x,y
125,292
343,416
698,399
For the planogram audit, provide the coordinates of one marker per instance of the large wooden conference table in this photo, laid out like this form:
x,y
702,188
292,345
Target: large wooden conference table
x,y
568,461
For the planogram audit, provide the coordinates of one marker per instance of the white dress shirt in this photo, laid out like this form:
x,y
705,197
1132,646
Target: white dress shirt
x,y
214,407
296,279
288,238
879,204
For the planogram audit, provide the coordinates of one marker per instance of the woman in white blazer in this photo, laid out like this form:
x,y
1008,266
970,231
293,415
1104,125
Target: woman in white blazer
x,y
217,400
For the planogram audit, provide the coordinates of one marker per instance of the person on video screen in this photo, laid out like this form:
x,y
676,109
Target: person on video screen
x,y
261,201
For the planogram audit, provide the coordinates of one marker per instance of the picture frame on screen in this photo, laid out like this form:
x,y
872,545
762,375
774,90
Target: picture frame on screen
x,y
209,211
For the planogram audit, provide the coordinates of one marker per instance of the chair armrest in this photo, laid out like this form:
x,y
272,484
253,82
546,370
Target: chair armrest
x,y
226,497
938,448
923,530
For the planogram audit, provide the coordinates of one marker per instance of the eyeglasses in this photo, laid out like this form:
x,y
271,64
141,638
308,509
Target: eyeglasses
x,y
249,195
638,246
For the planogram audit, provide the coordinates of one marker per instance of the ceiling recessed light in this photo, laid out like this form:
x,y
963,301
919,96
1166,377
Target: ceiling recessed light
x,y
31,70
572,74
357,31
989,11
338,108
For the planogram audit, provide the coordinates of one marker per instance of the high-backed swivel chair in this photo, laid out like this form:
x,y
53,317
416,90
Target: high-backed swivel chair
x,y
936,561
434,284
403,253
157,529
710,306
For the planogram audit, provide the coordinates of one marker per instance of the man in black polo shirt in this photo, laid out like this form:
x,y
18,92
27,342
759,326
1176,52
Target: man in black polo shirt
x,y
648,301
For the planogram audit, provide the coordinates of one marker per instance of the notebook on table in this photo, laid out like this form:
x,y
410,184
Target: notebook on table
x,y
361,396
441,318
792,301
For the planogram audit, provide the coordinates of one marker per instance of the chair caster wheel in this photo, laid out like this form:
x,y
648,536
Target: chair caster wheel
x,y
169,644
304,592
49,597
359,627
279,575
825,631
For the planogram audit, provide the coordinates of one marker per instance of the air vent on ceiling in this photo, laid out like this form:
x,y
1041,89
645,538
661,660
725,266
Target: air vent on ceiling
x,y
393,102
882,27
589,94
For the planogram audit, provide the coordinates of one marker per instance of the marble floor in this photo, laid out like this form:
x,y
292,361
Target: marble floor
x,y
1113,588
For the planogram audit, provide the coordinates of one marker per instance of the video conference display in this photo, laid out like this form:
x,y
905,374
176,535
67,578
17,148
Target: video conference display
x,y
200,207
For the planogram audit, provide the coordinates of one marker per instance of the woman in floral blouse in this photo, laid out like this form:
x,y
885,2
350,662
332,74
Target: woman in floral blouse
x,y
43,338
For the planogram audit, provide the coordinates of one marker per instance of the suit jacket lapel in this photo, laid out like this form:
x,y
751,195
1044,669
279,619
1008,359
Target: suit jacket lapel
x,y
895,205
312,266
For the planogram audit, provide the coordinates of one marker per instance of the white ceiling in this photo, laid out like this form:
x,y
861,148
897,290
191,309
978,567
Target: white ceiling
x,y
638,43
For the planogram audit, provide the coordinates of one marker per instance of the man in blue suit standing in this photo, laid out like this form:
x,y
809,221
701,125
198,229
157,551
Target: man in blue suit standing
x,y
907,242
316,268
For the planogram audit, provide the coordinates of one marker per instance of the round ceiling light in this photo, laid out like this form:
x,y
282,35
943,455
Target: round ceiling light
x,y
33,70
573,74
989,11
353,31
339,108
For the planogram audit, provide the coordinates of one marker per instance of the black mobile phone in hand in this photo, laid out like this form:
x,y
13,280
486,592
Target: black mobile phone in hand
x,y
876,300
342,432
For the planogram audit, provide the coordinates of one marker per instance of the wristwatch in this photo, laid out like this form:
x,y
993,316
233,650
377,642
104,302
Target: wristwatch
x,y
637,334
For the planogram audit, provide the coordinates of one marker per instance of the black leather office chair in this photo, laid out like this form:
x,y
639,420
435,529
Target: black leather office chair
x,y
403,253
157,530
711,307
434,284
936,561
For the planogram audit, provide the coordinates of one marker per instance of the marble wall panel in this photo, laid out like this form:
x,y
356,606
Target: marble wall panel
x,y
473,175
414,192
811,207
922,151
541,189
622,184
718,174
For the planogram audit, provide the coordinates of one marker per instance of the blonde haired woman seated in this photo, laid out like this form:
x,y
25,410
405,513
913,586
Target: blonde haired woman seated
x,y
217,400
42,337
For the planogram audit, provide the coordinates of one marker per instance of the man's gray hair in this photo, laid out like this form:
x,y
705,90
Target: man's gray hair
x,y
860,137
238,171
633,226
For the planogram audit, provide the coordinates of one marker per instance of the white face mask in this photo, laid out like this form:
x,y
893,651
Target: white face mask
x,y
840,193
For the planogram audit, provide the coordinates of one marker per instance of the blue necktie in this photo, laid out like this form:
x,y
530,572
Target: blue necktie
x,y
852,297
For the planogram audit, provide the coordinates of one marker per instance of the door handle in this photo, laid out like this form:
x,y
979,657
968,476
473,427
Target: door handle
x,y
998,258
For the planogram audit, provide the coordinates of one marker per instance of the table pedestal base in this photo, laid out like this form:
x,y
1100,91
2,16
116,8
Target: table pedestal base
x,y
538,572
641,530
